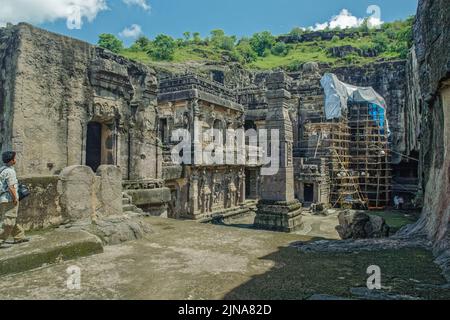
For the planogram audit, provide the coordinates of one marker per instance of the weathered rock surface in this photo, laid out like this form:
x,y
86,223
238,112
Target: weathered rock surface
x,y
48,248
109,191
114,230
344,51
52,86
360,225
76,187
430,91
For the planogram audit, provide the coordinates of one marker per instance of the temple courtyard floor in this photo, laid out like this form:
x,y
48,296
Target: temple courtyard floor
x,y
183,260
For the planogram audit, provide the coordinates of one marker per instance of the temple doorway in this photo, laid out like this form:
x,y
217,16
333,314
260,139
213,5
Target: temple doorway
x,y
99,145
309,192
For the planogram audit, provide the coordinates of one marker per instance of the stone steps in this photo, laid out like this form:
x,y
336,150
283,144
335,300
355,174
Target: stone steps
x,y
128,206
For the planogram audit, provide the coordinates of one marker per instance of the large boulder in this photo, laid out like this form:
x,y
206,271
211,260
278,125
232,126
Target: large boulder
x,y
360,225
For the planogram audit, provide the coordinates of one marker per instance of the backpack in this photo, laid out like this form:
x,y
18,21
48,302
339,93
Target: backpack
x,y
22,190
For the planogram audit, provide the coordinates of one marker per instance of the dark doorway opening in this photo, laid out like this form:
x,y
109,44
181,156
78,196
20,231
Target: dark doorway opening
x,y
163,130
94,145
248,187
249,125
309,192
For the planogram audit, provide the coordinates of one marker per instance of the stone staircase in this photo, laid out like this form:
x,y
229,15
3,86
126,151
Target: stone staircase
x,y
128,206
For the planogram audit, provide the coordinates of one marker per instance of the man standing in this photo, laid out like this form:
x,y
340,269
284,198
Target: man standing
x,y
396,202
9,200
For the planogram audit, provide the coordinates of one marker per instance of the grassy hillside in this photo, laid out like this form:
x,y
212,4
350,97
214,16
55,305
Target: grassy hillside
x,y
264,51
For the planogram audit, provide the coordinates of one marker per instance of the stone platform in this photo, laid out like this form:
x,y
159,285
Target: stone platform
x,y
279,216
48,248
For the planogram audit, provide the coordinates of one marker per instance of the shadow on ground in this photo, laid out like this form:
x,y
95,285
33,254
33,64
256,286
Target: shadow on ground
x,y
297,275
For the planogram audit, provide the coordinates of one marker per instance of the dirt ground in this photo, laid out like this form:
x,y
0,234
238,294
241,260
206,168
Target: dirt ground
x,y
188,260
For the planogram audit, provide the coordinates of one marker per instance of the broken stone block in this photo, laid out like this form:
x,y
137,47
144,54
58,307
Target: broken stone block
x,y
109,191
76,187
360,225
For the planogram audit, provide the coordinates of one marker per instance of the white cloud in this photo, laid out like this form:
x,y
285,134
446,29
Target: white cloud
x,y
140,3
346,20
131,32
37,11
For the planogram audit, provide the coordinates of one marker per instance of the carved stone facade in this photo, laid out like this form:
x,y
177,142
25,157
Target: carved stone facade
x,y
66,103
279,209
77,105
200,190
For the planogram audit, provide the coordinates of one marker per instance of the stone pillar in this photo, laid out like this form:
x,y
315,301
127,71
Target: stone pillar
x,y
279,210
76,187
109,191
196,133
193,194
242,186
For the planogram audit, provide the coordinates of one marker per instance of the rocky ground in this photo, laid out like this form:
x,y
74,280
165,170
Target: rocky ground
x,y
188,260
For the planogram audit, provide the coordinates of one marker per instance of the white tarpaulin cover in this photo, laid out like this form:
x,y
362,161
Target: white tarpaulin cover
x,y
338,94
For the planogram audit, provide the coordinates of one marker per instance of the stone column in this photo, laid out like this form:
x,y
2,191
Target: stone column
x,y
193,194
279,210
242,186
196,133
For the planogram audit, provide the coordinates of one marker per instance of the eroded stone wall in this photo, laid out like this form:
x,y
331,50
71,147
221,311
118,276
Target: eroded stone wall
x,y
52,86
431,71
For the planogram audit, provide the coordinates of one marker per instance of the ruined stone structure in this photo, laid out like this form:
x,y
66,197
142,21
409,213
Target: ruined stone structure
x,y
200,189
279,209
330,164
66,103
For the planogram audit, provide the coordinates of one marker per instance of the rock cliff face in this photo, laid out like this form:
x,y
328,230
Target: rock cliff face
x,y
53,87
429,91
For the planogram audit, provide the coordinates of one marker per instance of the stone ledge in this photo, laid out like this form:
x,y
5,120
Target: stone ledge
x,y
226,214
150,197
48,248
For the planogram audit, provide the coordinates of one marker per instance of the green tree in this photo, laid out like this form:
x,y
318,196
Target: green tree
x,y
197,38
364,27
297,32
381,43
162,48
246,51
220,40
110,42
142,43
335,39
187,36
261,42
280,49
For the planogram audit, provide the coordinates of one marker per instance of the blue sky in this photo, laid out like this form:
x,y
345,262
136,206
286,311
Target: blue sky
x,y
238,17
